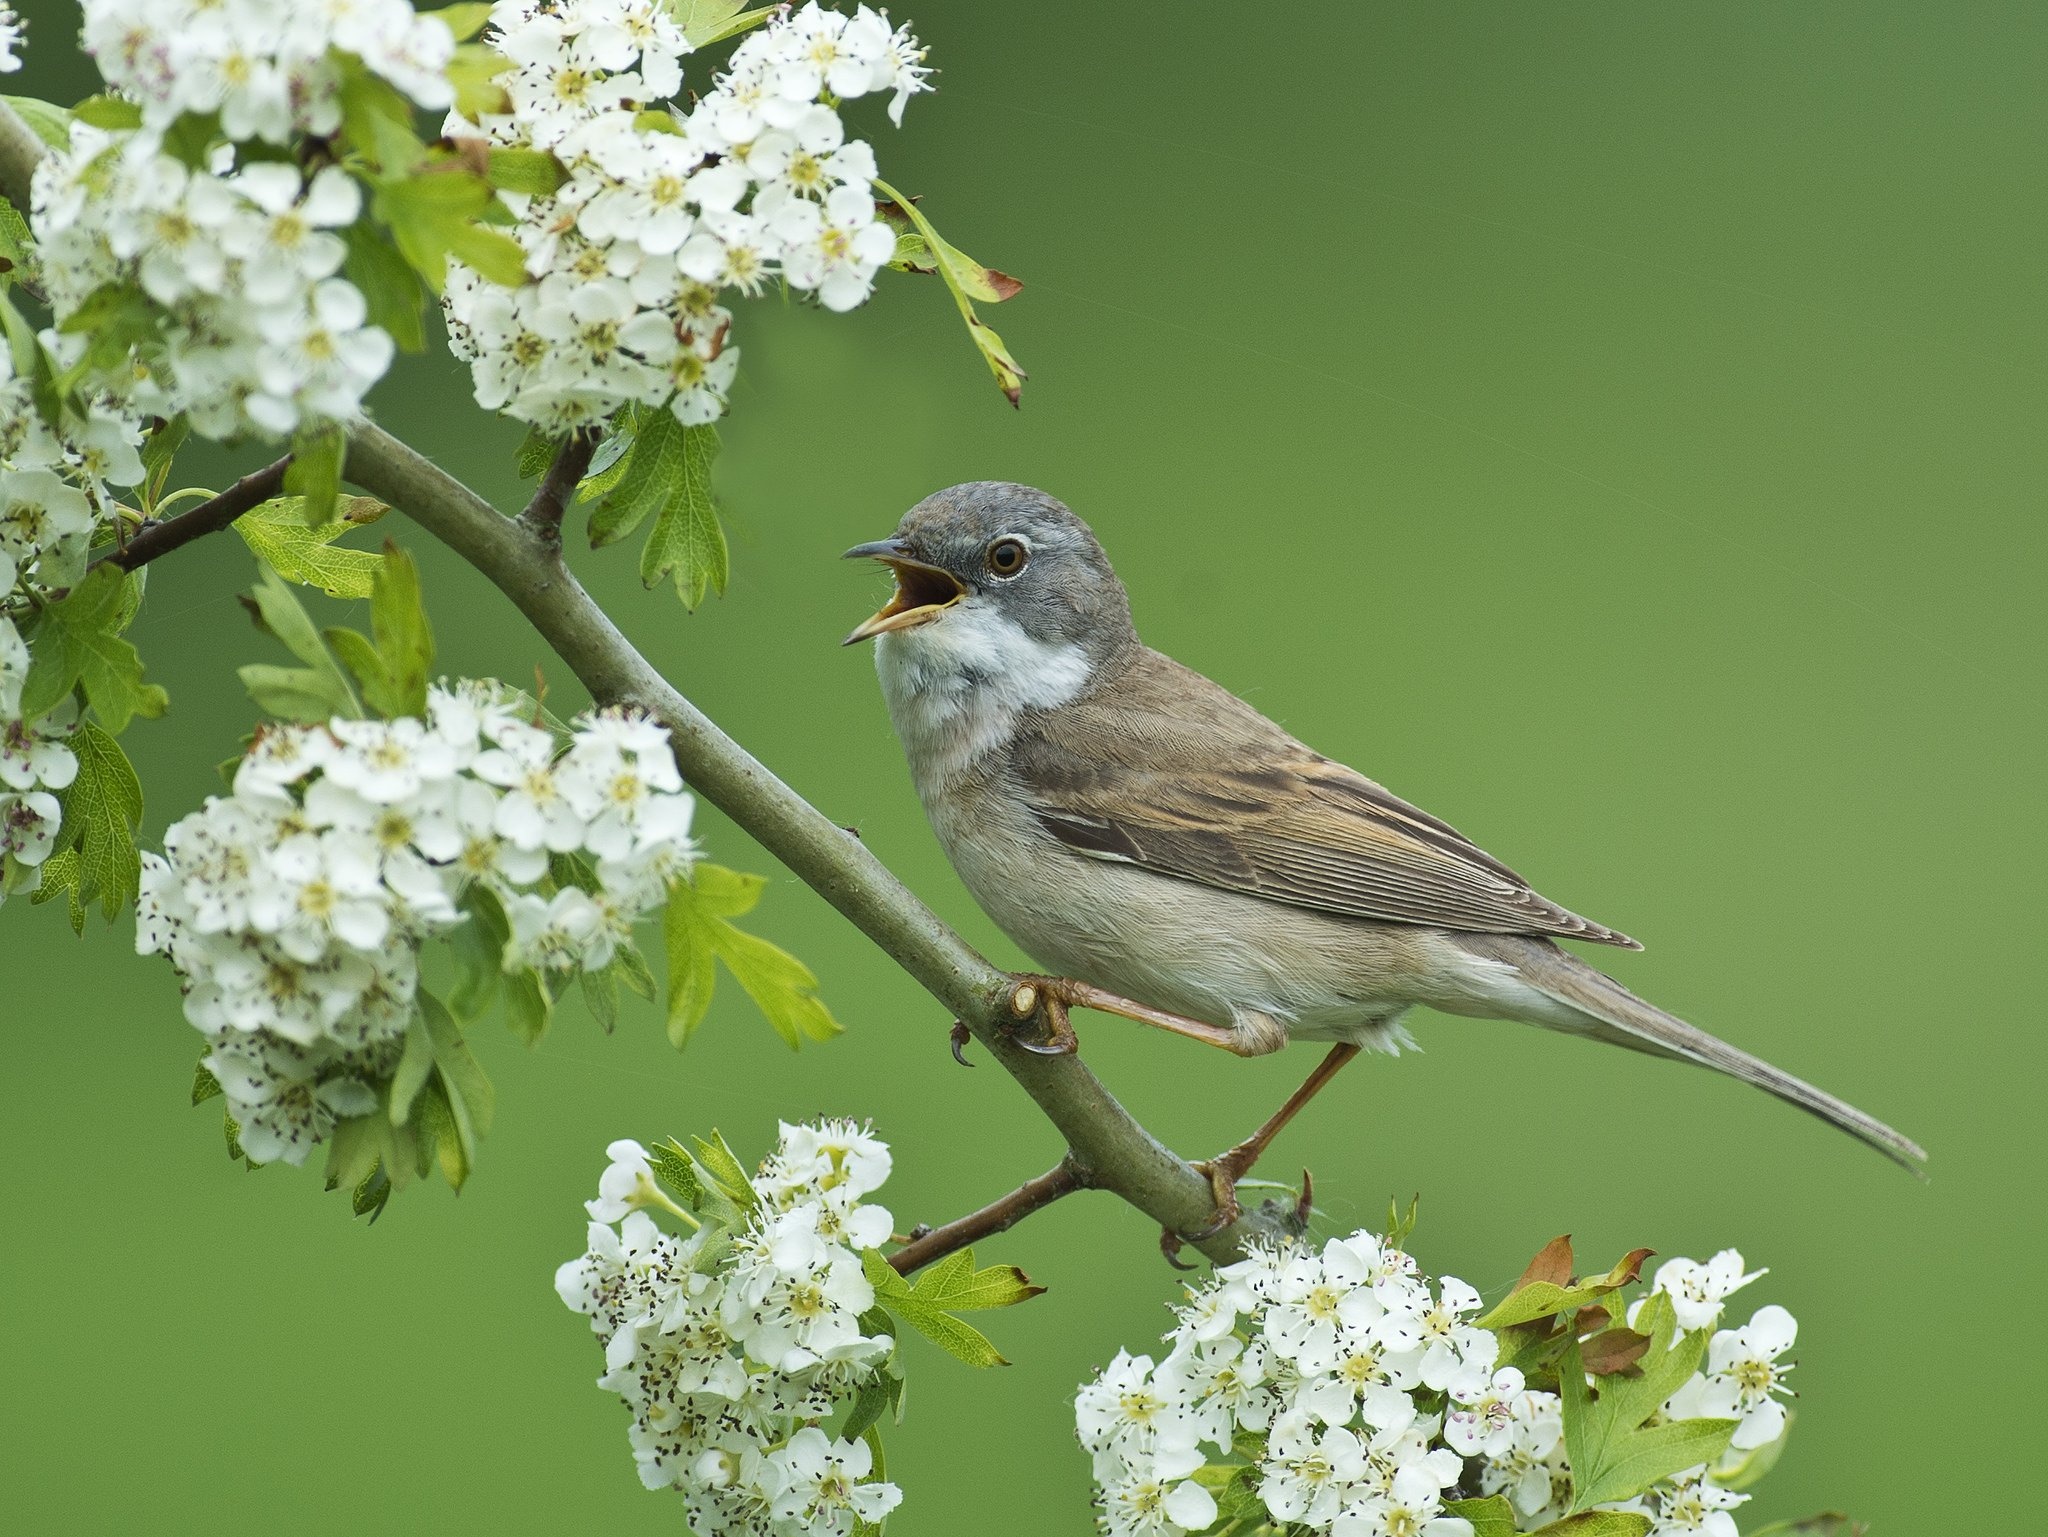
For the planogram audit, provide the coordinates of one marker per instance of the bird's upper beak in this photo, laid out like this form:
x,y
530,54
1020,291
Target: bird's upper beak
x,y
923,591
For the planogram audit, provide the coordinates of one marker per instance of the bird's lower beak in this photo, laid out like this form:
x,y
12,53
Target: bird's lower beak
x,y
923,591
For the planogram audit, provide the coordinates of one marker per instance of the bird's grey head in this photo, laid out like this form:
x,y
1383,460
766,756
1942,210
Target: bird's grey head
x,y
993,578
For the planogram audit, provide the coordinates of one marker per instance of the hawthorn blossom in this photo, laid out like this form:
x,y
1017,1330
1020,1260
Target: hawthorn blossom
x,y
296,907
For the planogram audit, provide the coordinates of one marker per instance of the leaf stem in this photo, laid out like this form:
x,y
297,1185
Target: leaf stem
x,y
1062,1179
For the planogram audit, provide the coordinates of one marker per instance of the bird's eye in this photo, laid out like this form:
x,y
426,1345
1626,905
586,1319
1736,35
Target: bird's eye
x,y
1006,557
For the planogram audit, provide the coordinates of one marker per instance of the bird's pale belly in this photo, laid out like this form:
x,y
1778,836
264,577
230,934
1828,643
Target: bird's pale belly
x,y
1213,955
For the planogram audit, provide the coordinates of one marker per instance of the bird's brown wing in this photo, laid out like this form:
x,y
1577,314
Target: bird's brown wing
x,y
1166,770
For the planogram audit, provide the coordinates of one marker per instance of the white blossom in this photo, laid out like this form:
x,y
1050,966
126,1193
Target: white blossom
x,y
11,30
729,1356
295,907
666,209
1698,1290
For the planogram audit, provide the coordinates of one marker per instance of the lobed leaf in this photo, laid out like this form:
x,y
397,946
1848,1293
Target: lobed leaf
x,y
102,813
279,535
917,1308
78,643
697,932
314,475
1597,1523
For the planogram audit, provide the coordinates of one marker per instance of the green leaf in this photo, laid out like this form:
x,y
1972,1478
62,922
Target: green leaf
x,y
114,113
921,1307
279,535
317,691
673,1167
432,215
968,280
687,539
955,1285
473,73
102,813
726,1172
609,463
415,1066
1613,1453
393,665
705,22
1534,1299
204,1084
78,642
440,1089
532,171
377,121
52,124
478,946
1597,1523
158,452
601,995
469,1091
392,289
537,451
877,1397
17,245
32,362
1490,1517
698,930
462,21
314,475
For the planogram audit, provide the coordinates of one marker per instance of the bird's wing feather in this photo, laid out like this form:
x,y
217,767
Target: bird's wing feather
x,y
1166,770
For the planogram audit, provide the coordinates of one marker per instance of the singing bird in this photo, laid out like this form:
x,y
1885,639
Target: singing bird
x,y
1141,830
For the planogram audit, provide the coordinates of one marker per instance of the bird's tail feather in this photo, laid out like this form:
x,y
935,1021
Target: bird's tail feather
x,y
1618,1016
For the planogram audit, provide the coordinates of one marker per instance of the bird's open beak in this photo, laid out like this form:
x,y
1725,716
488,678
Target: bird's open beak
x,y
923,591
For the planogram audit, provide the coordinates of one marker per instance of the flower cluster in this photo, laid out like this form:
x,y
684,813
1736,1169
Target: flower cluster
x,y
1364,1400
664,211
11,29
260,334
241,254
269,70
294,908
730,1345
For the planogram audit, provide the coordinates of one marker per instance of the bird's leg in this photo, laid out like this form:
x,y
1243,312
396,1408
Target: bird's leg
x,y
1225,1171
1056,995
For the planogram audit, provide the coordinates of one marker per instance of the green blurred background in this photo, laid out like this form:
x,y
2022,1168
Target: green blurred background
x,y
1616,427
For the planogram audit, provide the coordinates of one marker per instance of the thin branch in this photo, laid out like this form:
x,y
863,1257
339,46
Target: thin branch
x,y
543,515
20,152
1063,1178
209,517
1121,1155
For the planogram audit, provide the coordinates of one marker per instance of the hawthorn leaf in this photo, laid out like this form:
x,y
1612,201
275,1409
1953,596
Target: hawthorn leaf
x,y
1614,1453
314,475
204,1084
1828,1523
673,1167
279,535
968,280
698,930
102,813
390,286
51,123
726,1172
78,642
463,21
918,1307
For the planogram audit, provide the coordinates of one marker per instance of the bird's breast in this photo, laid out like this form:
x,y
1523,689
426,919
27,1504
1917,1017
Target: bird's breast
x,y
956,688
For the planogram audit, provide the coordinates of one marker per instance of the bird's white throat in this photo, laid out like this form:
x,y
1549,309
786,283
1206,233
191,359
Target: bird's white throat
x,y
957,685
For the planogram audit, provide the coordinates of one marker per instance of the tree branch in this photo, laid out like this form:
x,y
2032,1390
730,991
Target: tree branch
x,y
1102,1137
1063,1178
1120,1155
543,515
209,517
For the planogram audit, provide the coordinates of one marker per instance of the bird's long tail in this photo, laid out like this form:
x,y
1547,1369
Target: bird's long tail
x,y
1609,1012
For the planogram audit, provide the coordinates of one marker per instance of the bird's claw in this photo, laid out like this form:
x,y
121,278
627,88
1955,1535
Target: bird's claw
x,y
958,1037
1034,996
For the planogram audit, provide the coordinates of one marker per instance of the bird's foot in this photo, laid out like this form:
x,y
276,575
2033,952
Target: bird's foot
x,y
958,1037
1047,999
1223,1175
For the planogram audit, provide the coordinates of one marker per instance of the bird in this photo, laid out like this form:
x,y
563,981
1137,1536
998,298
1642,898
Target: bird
x,y
1168,853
